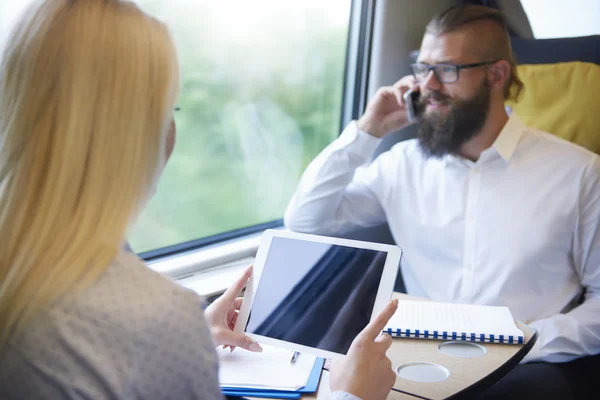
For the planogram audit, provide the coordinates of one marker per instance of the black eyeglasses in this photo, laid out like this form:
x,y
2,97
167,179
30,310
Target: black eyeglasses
x,y
445,73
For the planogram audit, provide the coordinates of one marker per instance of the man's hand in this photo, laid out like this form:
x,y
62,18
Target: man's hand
x,y
366,372
386,111
222,314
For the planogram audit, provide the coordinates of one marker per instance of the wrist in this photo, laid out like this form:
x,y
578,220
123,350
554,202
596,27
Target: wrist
x,y
367,126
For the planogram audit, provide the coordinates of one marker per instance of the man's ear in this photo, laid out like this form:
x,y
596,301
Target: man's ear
x,y
499,74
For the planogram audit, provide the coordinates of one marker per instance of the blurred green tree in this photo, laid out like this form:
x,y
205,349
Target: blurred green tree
x,y
260,97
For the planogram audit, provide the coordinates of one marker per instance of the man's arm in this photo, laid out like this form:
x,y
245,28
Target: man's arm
x,y
565,337
333,196
329,198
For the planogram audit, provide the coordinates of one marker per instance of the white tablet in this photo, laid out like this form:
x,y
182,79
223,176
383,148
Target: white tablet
x,y
314,294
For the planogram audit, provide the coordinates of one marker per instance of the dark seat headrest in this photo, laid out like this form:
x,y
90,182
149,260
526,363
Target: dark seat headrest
x,y
550,51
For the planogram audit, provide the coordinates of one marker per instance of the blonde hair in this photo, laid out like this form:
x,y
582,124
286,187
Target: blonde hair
x,y
86,91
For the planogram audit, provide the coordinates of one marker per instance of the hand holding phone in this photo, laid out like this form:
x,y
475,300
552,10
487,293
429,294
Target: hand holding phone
x,y
385,112
410,99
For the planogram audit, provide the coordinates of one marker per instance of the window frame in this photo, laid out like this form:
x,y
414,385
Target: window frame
x,y
196,244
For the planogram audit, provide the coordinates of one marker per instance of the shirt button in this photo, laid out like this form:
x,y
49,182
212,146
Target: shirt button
x,y
469,266
471,218
476,170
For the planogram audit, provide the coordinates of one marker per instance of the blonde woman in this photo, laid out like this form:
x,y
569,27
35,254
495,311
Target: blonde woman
x,y
86,93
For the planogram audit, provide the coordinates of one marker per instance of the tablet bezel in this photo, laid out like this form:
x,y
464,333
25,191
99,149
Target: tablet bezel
x,y
384,291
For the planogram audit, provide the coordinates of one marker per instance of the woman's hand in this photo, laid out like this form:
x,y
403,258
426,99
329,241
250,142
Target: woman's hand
x,y
222,315
366,372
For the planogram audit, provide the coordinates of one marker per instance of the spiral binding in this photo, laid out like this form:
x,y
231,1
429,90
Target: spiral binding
x,y
462,336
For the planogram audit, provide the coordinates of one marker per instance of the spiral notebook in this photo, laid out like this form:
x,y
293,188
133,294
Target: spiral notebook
x,y
448,321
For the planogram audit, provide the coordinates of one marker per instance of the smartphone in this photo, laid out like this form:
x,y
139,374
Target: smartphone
x,y
410,99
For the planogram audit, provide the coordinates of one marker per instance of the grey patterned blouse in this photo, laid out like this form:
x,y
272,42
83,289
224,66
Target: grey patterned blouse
x,y
132,335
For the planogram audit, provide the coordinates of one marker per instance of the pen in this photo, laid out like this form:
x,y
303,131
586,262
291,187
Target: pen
x,y
295,355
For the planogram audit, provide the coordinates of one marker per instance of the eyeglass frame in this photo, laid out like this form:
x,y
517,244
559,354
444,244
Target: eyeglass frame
x,y
457,66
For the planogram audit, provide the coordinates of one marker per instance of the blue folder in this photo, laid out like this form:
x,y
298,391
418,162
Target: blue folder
x,y
311,386
267,395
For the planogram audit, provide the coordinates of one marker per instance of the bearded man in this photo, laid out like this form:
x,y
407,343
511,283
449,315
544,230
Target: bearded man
x,y
487,210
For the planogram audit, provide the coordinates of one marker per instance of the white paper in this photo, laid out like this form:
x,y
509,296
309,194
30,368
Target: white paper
x,y
449,317
270,369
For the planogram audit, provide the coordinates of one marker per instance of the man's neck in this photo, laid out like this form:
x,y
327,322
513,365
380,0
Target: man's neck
x,y
486,137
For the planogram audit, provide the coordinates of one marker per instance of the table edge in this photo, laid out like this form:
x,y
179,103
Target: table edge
x,y
488,381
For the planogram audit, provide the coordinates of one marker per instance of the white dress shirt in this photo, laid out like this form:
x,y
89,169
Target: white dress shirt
x,y
518,228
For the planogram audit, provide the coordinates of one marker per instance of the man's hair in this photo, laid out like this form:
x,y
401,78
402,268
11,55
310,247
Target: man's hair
x,y
499,48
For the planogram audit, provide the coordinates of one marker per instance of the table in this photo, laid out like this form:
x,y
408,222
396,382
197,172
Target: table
x,y
468,376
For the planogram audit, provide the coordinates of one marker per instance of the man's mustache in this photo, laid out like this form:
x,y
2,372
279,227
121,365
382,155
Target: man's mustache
x,y
437,96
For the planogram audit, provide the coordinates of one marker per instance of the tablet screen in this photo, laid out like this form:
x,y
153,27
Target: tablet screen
x,y
316,294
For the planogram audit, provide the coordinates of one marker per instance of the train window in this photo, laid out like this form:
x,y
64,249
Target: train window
x,y
261,95
561,18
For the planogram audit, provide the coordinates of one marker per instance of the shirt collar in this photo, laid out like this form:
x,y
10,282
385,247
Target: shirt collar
x,y
505,144
507,141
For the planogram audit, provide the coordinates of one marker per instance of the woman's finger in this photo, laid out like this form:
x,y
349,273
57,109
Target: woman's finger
x,y
383,342
237,303
375,327
236,339
235,289
233,321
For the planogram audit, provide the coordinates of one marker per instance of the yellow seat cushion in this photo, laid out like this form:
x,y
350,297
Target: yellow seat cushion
x,y
562,99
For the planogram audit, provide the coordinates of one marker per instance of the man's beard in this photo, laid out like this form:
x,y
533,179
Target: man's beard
x,y
440,134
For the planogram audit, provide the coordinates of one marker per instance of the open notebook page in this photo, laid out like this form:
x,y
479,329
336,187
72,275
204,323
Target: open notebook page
x,y
448,317
270,369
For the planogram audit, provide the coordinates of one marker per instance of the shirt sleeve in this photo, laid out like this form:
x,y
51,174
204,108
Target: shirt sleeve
x,y
332,196
177,359
564,337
